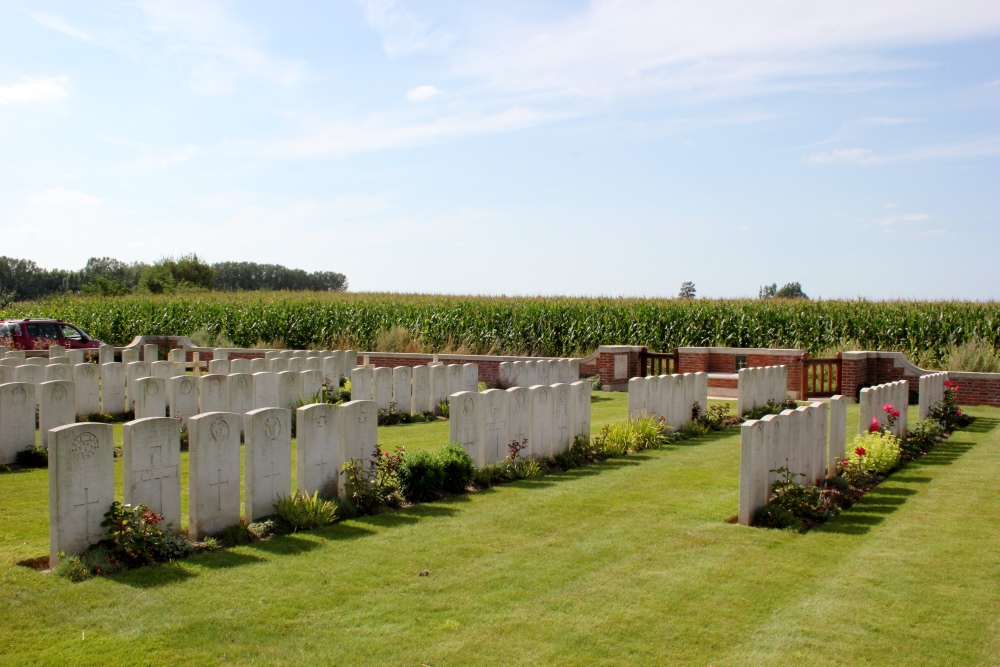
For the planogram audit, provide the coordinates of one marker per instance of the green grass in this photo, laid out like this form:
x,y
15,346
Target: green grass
x,y
625,562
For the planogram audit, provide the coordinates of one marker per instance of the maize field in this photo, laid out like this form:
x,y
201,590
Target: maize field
x,y
552,326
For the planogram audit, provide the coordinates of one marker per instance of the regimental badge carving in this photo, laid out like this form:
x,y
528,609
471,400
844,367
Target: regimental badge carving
x,y
18,395
88,372
519,400
241,383
215,384
321,421
219,430
271,428
362,417
187,386
85,446
59,394
152,390
468,405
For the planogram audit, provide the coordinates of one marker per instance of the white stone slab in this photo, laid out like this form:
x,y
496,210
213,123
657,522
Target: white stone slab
x,y
519,416
654,396
150,353
421,398
505,373
218,367
258,366
382,386
314,364
134,371
310,386
580,393
517,373
317,448
496,423
87,381
465,424
333,368
296,364
213,393
542,403
151,465
36,361
57,351
113,388
638,392
530,378
241,393
214,472
543,372
81,486
289,389
265,387
183,398
350,361
562,418
240,366
456,379
150,396
279,365
471,374
130,356
17,419
362,380
359,432
62,372
439,386
401,389
177,355
268,460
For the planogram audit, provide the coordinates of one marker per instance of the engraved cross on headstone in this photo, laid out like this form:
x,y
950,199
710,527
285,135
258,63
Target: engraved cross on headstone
x,y
218,484
270,478
157,471
87,502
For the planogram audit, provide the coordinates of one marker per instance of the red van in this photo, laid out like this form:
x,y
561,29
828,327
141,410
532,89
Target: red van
x,y
39,334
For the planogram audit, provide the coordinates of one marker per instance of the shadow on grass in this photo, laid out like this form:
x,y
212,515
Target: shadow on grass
x,y
851,523
599,399
15,468
153,576
982,425
222,559
944,454
286,544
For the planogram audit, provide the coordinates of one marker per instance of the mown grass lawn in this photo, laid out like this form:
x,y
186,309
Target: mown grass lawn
x,y
626,562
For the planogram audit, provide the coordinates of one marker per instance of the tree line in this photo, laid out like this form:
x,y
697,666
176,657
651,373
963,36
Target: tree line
x,y
23,279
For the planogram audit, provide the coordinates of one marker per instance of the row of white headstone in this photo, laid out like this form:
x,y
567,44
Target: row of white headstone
x,y
931,393
672,397
81,467
413,390
540,371
798,440
760,385
544,420
872,400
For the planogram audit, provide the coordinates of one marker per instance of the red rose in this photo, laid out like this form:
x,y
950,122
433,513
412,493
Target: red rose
x,y
860,451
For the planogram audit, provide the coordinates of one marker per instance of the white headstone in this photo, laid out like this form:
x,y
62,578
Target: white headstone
x,y
77,356
150,397
130,355
496,424
359,432
361,384
638,393
239,366
519,417
177,355
17,419
421,399
505,373
55,361
314,364
87,381
57,351
581,409
439,386
258,366
150,353
518,374
465,424
62,372
268,460
310,386
562,419
471,373
753,470
333,368
214,472
350,361
289,389
401,392
34,375
265,390
456,378
183,398
279,365
317,449
36,361
152,465
530,374
113,388
542,403
241,394
271,354
134,371
296,364
218,367
213,393
543,371
81,486
382,387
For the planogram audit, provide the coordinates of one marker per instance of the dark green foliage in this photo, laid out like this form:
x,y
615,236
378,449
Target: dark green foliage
x,y
304,512
94,561
236,535
263,529
791,291
804,502
421,476
363,490
444,408
134,537
457,467
580,454
922,437
775,516
718,418
34,457
769,408
947,412
687,290
234,276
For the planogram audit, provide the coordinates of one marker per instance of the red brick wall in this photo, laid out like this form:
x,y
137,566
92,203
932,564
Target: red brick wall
x,y
983,390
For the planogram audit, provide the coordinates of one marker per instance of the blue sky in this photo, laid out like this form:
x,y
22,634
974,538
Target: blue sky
x,y
605,147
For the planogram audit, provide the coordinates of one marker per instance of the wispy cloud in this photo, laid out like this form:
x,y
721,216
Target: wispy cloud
x,y
985,147
61,25
421,93
32,90
164,158
402,31
901,217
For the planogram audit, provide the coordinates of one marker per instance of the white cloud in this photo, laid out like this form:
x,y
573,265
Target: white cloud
x,y
895,219
421,93
34,89
64,197
979,148
844,155
164,158
403,32
56,23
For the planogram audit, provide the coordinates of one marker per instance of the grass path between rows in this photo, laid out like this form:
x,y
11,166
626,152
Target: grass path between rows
x,y
625,562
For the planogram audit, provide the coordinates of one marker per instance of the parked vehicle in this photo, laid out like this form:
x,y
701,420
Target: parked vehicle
x,y
39,334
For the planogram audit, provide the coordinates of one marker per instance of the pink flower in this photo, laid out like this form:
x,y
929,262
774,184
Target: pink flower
x,y
958,412
894,413
957,388
949,384
875,426
860,451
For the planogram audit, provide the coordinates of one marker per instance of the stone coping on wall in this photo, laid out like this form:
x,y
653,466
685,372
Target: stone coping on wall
x,y
776,351
899,360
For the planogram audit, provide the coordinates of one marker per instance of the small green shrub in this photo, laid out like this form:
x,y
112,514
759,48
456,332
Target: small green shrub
x,y
947,411
922,437
263,529
421,476
134,537
631,435
304,512
805,503
362,487
72,568
33,457
871,453
210,544
236,534
443,408
975,355
581,453
775,516
100,418
458,468
770,408
95,561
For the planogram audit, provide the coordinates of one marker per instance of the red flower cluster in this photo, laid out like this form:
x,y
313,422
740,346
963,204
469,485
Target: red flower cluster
x,y
949,384
860,451
875,426
893,412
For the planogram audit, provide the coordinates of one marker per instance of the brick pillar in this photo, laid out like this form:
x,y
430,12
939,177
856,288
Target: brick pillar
x,y
616,364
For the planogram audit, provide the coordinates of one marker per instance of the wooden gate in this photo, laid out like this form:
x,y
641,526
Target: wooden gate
x,y
821,377
658,363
